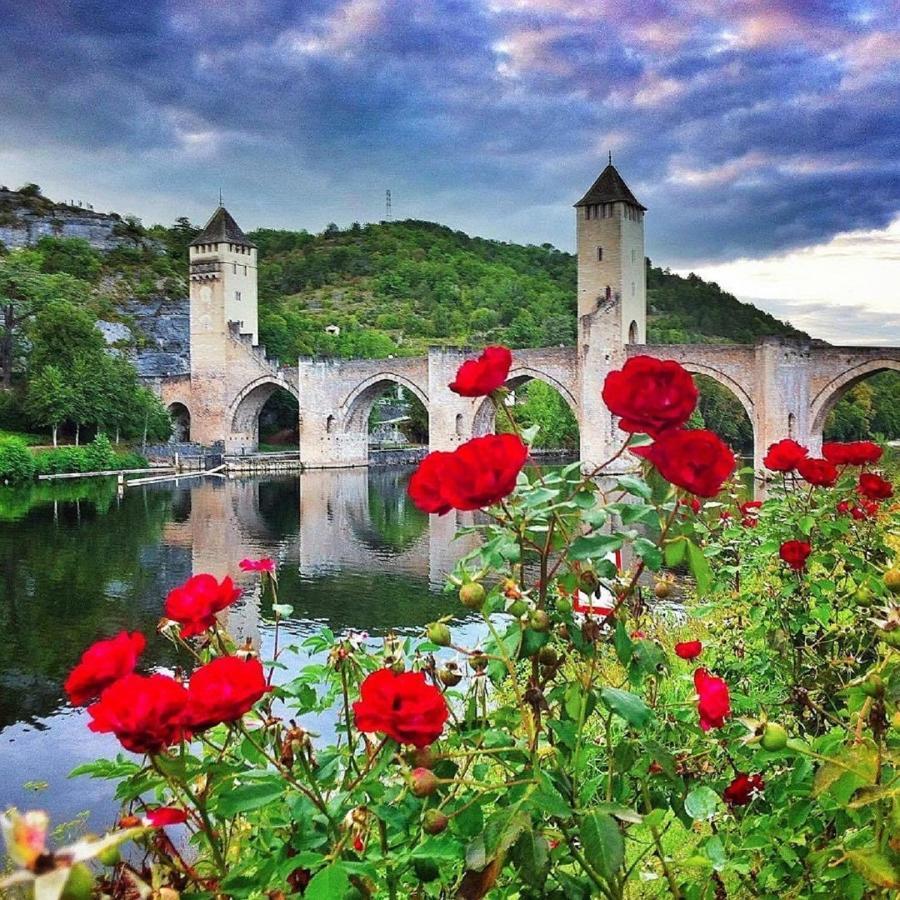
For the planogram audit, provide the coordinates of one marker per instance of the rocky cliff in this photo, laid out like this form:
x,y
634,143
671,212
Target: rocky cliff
x,y
26,216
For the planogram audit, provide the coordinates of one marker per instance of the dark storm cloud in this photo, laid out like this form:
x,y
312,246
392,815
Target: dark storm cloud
x,y
745,126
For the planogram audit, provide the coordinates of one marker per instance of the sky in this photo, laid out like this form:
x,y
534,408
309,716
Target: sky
x,y
764,137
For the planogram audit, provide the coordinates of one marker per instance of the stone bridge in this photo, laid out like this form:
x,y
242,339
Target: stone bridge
x,y
786,386
337,397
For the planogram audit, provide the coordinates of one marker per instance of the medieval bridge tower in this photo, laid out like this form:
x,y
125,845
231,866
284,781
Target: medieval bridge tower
x,y
786,386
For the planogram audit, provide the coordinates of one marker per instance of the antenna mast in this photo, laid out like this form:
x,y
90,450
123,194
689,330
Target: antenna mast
x,y
388,213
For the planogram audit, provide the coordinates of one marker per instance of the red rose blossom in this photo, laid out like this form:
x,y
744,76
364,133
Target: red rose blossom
x,y
482,471
750,513
817,471
265,564
404,707
195,603
874,487
650,395
852,453
692,503
146,713
103,663
689,649
223,690
795,553
714,701
479,377
425,485
164,815
784,456
743,789
695,460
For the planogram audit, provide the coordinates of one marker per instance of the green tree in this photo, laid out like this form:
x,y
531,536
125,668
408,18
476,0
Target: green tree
x,y
73,256
24,291
49,401
60,332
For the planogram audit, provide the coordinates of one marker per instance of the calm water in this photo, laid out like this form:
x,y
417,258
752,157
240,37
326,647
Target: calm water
x,y
79,563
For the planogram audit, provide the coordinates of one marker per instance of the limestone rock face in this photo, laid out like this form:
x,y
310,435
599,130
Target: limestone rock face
x,y
25,219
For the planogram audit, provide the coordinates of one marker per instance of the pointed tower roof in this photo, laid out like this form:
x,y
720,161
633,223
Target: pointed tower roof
x,y
222,229
610,187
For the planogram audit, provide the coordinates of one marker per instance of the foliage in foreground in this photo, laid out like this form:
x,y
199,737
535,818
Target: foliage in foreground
x,y
569,751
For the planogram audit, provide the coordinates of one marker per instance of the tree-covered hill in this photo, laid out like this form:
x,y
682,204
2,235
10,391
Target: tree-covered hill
x,y
397,287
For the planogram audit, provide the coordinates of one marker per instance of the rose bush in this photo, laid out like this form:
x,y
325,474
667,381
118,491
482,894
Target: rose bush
x,y
577,747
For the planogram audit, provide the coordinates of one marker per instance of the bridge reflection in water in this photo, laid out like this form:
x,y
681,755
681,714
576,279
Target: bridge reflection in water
x,y
353,553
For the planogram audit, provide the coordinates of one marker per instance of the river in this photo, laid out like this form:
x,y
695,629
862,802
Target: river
x,y
80,563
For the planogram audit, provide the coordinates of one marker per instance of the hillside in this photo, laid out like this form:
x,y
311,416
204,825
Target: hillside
x,y
398,287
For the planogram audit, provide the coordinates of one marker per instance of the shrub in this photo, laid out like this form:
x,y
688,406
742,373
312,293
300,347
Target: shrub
x,y
16,461
564,751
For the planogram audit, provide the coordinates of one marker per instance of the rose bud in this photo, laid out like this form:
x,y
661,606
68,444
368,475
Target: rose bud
x,y
424,782
774,737
449,674
472,595
539,620
438,633
434,821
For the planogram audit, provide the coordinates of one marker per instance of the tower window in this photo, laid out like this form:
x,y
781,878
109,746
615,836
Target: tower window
x,y
237,296
234,268
245,270
632,255
632,288
600,254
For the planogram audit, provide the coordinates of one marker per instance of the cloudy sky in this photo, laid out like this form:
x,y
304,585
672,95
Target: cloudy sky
x,y
763,135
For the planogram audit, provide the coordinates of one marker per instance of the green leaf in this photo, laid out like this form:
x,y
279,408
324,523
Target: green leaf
x,y
806,524
531,856
700,804
591,546
649,553
627,705
252,795
603,844
875,867
860,762
328,884
674,551
700,569
635,486
623,643
584,499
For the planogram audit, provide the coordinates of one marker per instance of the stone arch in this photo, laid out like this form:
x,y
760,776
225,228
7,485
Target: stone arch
x,y
633,332
180,414
826,399
483,420
359,402
243,414
726,381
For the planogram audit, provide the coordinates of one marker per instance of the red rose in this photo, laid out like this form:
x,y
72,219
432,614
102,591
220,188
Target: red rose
x,y
689,649
164,815
697,460
103,663
479,377
425,485
692,503
817,471
146,713
258,565
794,553
482,471
784,456
874,487
714,702
195,603
650,395
852,453
404,707
743,789
750,513
223,690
